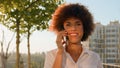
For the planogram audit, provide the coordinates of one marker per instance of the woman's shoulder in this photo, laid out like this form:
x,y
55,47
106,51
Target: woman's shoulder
x,y
90,52
94,54
52,52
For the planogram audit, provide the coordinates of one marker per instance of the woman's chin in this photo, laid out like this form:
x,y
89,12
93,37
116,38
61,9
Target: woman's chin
x,y
74,42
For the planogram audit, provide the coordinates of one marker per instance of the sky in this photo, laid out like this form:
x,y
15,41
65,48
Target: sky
x,y
103,11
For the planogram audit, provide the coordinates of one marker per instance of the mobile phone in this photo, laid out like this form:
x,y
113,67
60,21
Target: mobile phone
x,y
65,40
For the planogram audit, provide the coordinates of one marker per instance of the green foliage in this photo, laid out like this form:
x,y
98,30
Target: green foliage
x,y
32,14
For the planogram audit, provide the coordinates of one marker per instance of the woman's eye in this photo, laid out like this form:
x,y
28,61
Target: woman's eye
x,y
78,24
67,24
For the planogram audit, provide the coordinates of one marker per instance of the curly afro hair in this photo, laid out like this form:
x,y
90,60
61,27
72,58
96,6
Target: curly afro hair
x,y
65,11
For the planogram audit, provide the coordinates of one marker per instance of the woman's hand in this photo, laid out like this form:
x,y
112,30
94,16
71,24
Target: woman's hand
x,y
59,39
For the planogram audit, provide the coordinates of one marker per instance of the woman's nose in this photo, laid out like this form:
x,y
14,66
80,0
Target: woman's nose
x,y
73,27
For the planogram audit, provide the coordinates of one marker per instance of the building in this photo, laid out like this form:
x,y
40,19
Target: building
x,y
106,42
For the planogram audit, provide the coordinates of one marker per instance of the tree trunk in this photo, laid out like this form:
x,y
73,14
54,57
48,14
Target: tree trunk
x,y
3,57
17,44
4,62
28,45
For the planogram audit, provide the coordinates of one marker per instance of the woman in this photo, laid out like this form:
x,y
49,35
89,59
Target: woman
x,y
74,22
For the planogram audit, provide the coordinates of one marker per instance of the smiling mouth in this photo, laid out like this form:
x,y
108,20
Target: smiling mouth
x,y
73,34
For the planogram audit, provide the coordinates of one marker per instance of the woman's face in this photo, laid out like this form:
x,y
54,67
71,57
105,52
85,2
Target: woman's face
x,y
74,29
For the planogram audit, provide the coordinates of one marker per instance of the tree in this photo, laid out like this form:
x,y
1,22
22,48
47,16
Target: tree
x,y
5,55
25,16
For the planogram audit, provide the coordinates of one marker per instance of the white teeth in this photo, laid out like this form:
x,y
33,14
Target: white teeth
x,y
73,34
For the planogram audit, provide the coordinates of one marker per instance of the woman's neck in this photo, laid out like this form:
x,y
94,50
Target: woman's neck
x,y
75,48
